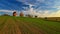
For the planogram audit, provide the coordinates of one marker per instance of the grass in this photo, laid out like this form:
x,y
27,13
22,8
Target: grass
x,y
25,25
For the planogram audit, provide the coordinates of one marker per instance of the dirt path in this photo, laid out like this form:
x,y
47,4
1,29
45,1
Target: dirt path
x,y
2,23
10,27
14,27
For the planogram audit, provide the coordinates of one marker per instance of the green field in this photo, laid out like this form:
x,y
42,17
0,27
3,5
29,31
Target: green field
x,y
24,25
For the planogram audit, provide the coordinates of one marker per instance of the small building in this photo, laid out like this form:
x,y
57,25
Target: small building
x,y
14,14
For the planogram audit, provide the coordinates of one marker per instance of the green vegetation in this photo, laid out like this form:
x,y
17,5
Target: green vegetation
x,y
5,15
25,25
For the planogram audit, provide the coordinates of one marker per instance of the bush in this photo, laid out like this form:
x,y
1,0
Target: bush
x,y
5,15
35,16
21,14
29,15
45,17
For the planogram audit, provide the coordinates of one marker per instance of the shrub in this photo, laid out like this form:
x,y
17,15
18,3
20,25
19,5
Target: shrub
x,y
45,17
35,16
5,15
21,14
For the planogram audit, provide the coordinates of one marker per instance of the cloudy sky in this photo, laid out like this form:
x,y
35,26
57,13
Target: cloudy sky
x,y
41,8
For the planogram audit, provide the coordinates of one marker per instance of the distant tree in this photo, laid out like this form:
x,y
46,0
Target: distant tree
x,y
21,14
5,15
35,16
14,13
45,17
30,15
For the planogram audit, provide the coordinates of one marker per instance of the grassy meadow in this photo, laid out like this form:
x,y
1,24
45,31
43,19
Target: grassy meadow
x,y
25,25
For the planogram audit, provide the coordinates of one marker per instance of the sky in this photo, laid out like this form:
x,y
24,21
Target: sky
x,y
41,8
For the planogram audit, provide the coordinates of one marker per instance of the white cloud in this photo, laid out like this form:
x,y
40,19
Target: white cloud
x,y
58,7
33,12
24,1
6,11
45,13
41,0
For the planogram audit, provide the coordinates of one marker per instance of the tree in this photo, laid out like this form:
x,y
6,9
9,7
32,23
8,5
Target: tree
x,y
14,13
5,15
45,17
35,16
30,15
21,14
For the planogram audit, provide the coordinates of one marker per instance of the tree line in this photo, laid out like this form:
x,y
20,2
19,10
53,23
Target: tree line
x,y
21,14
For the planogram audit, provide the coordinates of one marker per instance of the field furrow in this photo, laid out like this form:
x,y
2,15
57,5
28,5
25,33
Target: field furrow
x,y
14,29
23,25
31,28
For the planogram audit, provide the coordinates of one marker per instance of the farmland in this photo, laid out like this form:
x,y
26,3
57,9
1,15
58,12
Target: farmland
x,y
24,25
53,18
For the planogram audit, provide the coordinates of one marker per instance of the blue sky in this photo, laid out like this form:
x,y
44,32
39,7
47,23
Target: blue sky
x,y
50,6
12,5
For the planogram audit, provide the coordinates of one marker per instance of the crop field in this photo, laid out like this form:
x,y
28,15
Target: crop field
x,y
25,25
53,18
